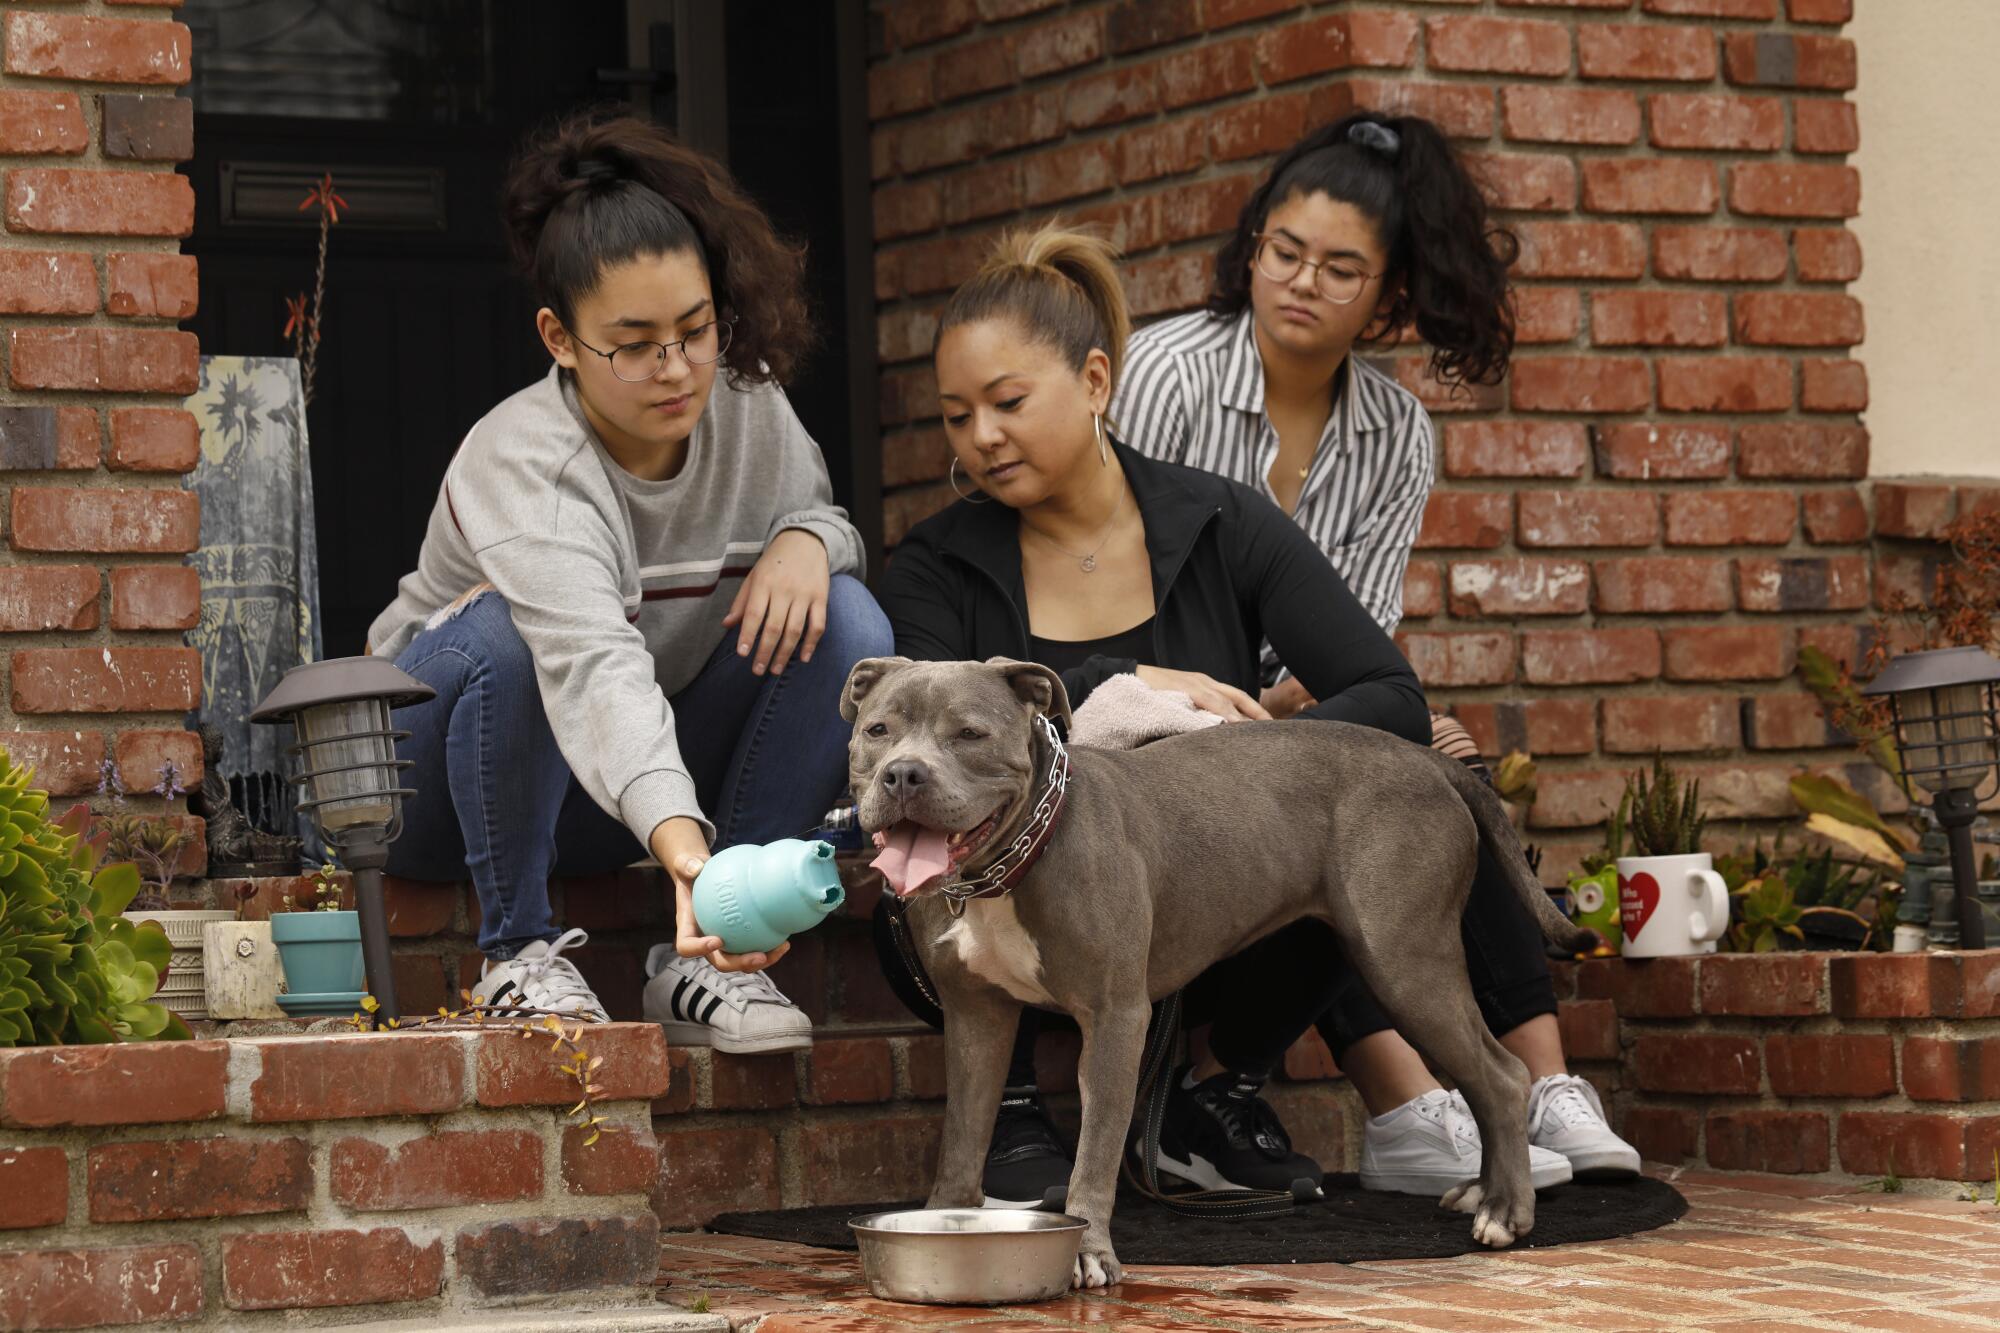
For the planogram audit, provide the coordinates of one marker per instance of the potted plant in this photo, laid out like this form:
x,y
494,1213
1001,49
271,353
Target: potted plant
x,y
1671,903
72,969
1811,900
319,944
152,845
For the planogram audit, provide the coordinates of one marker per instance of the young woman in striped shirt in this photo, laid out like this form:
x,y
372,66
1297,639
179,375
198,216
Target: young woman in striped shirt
x,y
1365,227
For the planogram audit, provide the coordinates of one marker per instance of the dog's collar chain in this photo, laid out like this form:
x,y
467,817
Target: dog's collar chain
x,y
1013,865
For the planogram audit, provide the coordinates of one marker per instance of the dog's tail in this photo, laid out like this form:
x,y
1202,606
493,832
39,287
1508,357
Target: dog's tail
x,y
1498,831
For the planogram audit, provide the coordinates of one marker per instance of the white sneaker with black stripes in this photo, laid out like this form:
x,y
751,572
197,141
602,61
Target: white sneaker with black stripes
x,y
539,977
740,1012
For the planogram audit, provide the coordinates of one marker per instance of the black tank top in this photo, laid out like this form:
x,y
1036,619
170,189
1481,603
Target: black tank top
x,y
1061,655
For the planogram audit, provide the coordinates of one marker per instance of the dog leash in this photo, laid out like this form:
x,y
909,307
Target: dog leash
x,y
899,932
1155,1081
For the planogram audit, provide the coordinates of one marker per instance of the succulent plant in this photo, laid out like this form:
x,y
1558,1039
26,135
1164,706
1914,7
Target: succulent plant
x,y
1665,813
1766,908
72,969
1614,837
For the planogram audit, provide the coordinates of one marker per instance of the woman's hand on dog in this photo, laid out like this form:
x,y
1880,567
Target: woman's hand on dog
x,y
679,846
1208,694
782,603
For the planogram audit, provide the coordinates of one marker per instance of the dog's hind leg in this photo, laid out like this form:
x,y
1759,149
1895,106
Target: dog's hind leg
x,y
979,1025
1114,1045
1431,1002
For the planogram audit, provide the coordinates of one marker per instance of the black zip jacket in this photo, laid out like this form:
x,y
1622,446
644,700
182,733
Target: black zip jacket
x,y
1229,570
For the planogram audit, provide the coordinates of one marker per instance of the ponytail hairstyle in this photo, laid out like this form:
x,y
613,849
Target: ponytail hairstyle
x,y
594,192
1447,261
1059,284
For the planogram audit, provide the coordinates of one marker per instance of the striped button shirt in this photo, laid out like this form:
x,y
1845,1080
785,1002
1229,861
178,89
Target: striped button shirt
x,y
1192,392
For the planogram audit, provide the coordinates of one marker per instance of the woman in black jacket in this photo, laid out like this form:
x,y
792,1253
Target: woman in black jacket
x,y
1071,550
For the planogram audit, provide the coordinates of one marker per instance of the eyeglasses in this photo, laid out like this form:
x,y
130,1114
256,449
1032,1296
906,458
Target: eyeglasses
x,y
633,362
1281,261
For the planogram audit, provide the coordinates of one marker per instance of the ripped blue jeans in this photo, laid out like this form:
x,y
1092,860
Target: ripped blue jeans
x,y
496,800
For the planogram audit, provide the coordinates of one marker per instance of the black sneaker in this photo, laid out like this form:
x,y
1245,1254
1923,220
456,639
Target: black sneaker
x,y
1027,1166
1221,1135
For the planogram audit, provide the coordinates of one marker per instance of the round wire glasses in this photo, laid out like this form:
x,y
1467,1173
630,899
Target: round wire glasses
x,y
1280,261
636,361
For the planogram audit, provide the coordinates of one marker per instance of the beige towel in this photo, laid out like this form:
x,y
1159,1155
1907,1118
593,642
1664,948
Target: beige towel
x,y
1125,713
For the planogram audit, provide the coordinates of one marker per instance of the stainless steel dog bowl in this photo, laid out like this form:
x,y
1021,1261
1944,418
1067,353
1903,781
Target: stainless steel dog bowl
x,y
968,1256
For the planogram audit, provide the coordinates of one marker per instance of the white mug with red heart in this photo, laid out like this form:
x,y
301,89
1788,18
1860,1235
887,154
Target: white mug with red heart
x,y
1671,906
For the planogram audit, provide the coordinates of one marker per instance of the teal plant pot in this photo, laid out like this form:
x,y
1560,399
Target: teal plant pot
x,y
321,952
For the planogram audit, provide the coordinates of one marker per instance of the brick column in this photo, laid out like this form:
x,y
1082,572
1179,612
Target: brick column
x,y
1630,539
94,588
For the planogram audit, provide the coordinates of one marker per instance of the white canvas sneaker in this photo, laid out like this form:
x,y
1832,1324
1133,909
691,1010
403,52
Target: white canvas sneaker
x,y
743,1013
539,977
1429,1144
1566,1116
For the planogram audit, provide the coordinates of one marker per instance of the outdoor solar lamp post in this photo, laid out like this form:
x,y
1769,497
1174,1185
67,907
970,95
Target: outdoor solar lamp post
x,y
1947,733
348,767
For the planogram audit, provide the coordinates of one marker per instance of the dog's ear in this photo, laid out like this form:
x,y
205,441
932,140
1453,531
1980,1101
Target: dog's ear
x,y
867,674
1037,686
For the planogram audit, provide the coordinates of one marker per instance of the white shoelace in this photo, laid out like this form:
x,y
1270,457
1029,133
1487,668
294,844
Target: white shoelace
x,y
549,981
1449,1110
747,987
1565,1102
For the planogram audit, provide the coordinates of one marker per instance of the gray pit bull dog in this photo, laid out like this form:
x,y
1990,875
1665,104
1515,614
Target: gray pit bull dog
x,y
1164,860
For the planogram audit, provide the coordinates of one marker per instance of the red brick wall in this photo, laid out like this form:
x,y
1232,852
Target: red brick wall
x,y
1804,1063
94,588
424,1174
1633,536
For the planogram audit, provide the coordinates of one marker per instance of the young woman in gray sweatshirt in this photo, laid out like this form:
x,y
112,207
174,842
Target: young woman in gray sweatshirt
x,y
636,599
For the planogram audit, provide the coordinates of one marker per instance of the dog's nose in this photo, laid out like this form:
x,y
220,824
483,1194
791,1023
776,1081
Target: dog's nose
x,y
905,776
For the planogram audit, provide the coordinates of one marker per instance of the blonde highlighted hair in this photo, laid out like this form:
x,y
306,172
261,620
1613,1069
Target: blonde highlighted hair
x,y
1060,284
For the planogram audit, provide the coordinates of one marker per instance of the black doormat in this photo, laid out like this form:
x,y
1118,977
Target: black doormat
x,y
1348,1226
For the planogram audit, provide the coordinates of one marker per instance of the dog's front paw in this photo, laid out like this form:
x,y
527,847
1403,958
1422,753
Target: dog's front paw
x,y
1095,1267
1496,1222
1463,1198
1489,1230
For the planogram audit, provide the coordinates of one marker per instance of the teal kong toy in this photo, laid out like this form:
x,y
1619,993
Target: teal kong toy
x,y
755,898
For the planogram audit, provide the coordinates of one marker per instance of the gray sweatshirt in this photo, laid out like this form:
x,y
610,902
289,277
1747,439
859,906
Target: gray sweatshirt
x,y
617,585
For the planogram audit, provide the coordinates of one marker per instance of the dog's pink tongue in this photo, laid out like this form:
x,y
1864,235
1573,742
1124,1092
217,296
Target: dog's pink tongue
x,y
912,856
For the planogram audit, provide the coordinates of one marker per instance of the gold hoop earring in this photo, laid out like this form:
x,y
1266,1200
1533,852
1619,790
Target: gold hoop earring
x,y
951,475
1097,428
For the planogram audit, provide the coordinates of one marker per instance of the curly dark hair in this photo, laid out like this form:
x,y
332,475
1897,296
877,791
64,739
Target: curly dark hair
x,y
1448,262
598,190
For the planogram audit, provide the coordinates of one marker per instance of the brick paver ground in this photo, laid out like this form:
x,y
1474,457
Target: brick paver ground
x,y
1755,1254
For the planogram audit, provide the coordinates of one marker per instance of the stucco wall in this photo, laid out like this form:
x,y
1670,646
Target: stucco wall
x,y
1931,192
